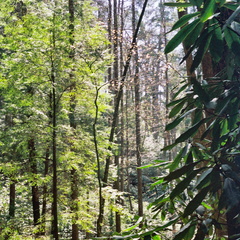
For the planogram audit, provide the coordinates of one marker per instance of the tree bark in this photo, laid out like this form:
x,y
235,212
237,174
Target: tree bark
x,y
54,144
73,125
45,191
35,189
137,116
12,199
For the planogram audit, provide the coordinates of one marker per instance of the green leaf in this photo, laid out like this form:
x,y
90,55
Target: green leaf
x,y
216,46
181,186
175,122
177,109
156,237
163,227
220,2
181,234
183,20
190,132
203,47
180,36
178,158
169,147
196,201
174,4
192,38
156,183
179,172
146,166
179,91
233,16
172,103
197,3
134,226
199,90
232,6
208,10
204,178
233,40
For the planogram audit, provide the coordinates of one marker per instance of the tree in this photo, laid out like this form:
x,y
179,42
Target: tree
x,y
206,176
37,75
137,118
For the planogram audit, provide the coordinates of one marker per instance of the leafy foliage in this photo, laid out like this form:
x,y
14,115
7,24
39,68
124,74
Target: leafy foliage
x,y
206,170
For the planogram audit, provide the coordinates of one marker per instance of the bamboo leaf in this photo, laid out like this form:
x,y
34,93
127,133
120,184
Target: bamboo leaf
x,y
181,186
183,20
172,103
175,122
177,109
190,132
203,47
231,6
180,90
199,90
179,172
185,230
196,201
182,153
180,36
208,10
169,147
204,178
233,40
216,45
197,3
191,39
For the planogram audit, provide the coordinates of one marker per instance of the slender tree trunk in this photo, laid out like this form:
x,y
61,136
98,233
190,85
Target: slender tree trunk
x,y
45,191
55,179
12,198
74,174
137,118
54,146
35,189
122,103
116,80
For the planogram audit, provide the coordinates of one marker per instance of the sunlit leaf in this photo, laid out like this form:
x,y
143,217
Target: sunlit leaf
x,y
183,20
208,10
180,36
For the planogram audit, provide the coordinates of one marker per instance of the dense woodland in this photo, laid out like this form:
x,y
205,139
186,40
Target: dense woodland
x,y
120,119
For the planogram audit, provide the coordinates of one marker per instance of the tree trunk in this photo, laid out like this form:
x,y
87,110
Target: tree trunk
x,y
35,189
54,147
12,198
137,118
45,191
73,125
